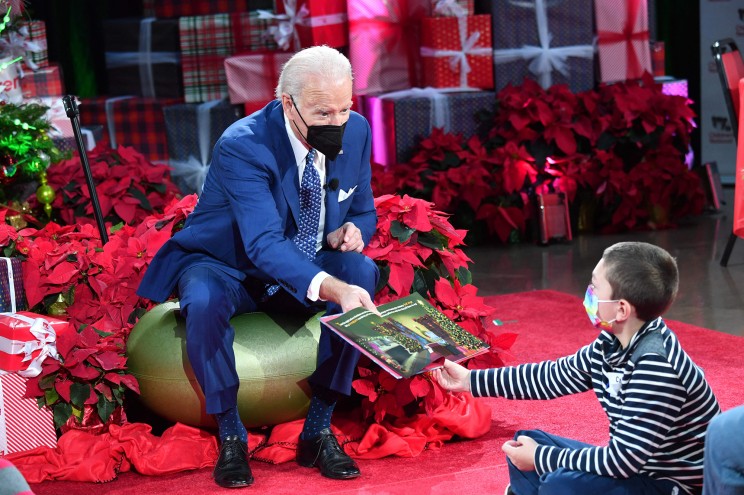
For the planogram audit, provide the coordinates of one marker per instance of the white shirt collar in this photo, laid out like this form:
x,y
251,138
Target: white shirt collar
x,y
300,152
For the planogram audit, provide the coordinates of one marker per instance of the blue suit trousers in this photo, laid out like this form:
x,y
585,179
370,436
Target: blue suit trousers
x,y
209,298
566,482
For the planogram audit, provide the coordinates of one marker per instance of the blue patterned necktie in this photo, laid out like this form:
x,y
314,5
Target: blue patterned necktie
x,y
307,230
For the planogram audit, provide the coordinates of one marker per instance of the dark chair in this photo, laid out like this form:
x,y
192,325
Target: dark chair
x,y
730,69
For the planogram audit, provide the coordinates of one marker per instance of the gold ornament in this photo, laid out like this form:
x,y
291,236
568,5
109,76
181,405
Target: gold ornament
x,y
45,194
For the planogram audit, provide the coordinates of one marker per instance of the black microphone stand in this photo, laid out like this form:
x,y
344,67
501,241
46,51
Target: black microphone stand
x,y
72,113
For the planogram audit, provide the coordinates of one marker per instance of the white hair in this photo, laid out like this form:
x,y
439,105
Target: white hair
x,y
313,62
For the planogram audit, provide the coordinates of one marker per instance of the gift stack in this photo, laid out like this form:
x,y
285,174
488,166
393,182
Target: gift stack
x,y
26,340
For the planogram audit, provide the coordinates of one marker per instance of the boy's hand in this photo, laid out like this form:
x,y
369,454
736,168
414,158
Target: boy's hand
x,y
453,377
521,452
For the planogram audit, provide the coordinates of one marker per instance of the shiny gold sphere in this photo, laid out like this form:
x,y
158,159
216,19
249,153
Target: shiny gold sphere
x,y
45,194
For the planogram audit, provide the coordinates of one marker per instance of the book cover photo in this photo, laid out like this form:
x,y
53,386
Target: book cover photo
x,y
409,337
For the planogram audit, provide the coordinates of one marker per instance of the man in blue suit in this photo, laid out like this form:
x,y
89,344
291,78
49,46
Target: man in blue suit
x,y
284,214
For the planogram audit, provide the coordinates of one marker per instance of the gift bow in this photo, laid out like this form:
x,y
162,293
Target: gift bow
x,y
45,342
192,169
17,44
286,28
450,8
459,58
544,58
629,36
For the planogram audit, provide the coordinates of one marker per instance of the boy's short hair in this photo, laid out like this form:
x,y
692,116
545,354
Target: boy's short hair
x,y
644,275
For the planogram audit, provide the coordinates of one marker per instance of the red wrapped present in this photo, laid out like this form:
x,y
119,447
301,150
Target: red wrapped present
x,y
623,39
303,23
35,41
452,8
384,42
23,426
456,52
206,41
26,340
46,81
252,77
131,121
12,294
181,8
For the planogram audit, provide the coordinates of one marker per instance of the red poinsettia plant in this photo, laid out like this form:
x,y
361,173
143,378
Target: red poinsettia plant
x,y
617,152
69,274
418,250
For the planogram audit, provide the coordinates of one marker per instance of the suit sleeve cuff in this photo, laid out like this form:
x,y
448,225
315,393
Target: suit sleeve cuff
x,y
313,292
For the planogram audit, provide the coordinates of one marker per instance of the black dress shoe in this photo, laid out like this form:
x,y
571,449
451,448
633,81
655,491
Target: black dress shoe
x,y
232,469
326,454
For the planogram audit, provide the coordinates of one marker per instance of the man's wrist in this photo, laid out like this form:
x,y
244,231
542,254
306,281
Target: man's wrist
x,y
313,291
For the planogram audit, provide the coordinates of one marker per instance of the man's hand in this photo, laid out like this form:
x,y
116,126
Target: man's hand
x,y
452,377
346,238
521,452
347,296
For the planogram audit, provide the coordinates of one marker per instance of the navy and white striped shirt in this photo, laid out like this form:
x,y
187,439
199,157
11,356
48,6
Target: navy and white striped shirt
x,y
659,407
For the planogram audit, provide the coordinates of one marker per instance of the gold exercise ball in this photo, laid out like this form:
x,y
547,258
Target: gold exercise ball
x,y
274,356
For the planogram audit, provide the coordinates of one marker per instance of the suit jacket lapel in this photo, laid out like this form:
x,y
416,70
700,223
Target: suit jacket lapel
x,y
333,171
286,162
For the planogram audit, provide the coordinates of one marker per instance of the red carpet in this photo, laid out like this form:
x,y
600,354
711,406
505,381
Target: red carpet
x,y
550,324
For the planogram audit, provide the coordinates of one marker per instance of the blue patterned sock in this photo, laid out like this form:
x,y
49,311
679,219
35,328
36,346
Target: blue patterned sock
x,y
230,424
319,413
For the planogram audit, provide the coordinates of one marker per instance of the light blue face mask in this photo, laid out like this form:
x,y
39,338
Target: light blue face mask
x,y
591,304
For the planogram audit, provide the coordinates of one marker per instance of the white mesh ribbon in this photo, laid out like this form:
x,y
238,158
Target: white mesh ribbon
x,y
45,341
194,170
11,284
458,59
544,58
285,32
439,113
450,8
17,44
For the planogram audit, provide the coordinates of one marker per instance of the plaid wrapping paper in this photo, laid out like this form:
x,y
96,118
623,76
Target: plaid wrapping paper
x,y
457,8
303,23
143,57
37,34
12,293
456,52
384,43
26,340
566,43
43,82
23,426
91,135
130,121
401,119
181,8
252,77
192,130
623,39
206,41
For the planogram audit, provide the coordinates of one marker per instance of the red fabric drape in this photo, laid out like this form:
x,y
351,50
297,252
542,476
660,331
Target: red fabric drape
x,y
738,185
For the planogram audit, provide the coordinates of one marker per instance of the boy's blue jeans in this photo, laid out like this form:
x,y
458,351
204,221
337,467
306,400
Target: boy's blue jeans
x,y
565,482
724,454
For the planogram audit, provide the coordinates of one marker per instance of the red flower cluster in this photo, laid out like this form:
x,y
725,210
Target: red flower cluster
x,y
620,148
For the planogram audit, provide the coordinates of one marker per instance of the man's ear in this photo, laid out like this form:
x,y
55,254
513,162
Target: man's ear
x,y
286,103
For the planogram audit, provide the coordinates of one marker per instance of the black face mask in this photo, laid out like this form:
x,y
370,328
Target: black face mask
x,y
325,138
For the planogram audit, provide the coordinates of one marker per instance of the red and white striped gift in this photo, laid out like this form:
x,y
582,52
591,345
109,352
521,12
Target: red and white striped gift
x,y
23,426
26,340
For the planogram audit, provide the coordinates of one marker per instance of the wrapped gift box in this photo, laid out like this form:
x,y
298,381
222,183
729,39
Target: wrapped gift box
x,y
384,44
46,81
622,39
457,8
527,35
26,340
12,293
206,41
130,121
672,86
92,135
36,33
192,130
400,120
143,57
252,77
303,23
456,52
24,426
181,8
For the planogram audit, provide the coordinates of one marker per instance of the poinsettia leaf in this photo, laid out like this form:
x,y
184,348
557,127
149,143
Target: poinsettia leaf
x,y
400,231
105,408
84,372
464,275
79,393
131,382
419,282
433,239
63,388
141,197
62,413
384,276
110,360
420,386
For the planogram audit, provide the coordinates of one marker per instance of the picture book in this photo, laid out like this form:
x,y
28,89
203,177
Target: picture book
x,y
410,336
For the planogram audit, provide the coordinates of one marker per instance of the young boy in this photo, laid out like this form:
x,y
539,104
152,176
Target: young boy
x,y
657,400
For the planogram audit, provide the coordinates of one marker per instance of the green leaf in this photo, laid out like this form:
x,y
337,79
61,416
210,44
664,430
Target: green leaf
x,y
105,408
62,413
117,227
400,231
79,393
419,283
140,197
464,276
46,383
384,277
432,239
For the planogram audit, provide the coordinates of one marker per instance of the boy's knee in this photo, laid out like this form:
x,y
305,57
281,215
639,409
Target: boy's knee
x,y
560,482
